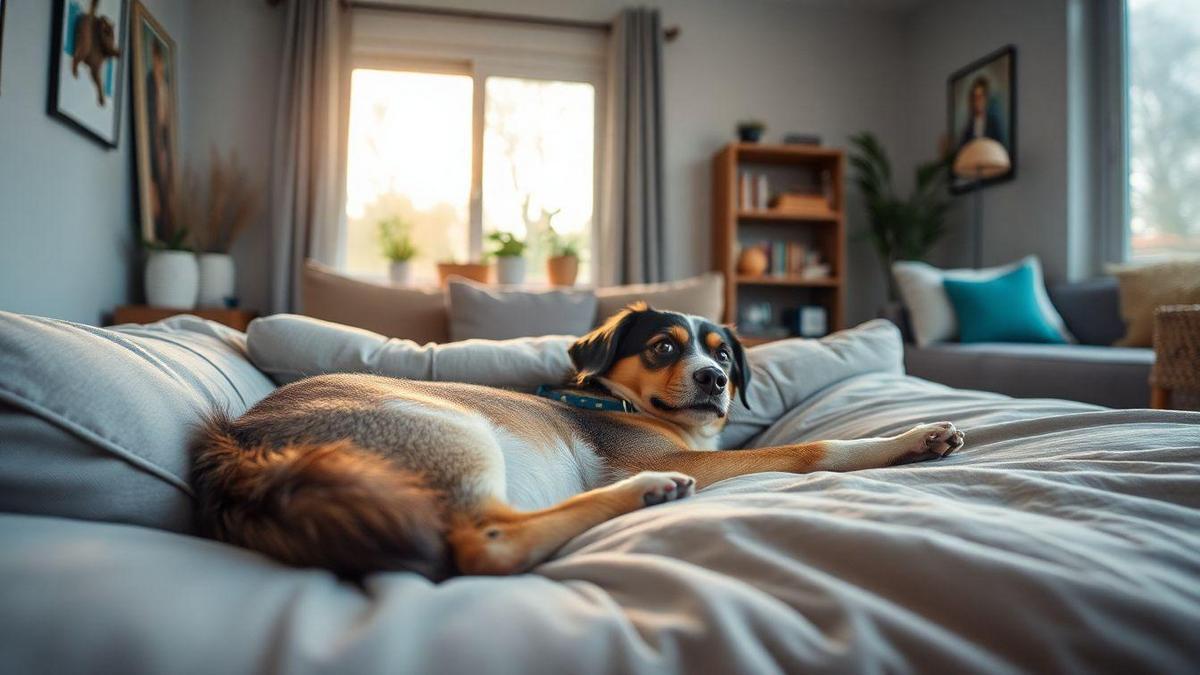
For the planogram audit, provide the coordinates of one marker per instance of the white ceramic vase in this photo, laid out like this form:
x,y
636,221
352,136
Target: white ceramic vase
x,y
510,270
400,272
172,279
218,279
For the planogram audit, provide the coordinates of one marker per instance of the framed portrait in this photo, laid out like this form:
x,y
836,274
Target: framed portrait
x,y
156,123
87,62
982,103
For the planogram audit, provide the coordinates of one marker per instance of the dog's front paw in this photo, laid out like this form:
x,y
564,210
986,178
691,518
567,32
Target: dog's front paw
x,y
656,487
936,439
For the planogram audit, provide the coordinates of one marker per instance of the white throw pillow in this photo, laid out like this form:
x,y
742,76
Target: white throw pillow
x,y
929,310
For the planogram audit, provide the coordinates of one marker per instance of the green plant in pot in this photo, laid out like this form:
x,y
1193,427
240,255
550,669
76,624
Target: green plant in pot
x,y
172,274
562,267
510,260
395,238
900,228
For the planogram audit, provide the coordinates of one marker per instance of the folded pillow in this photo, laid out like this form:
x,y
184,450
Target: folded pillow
x,y
94,422
930,313
490,313
702,296
1001,309
1145,288
417,314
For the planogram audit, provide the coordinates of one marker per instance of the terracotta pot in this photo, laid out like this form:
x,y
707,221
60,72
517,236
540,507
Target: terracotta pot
x,y
562,270
474,271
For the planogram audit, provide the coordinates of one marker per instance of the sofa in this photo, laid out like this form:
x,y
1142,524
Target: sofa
x,y
1091,370
1062,538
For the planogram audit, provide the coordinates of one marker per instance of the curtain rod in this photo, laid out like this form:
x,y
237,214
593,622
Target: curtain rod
x,y
669,33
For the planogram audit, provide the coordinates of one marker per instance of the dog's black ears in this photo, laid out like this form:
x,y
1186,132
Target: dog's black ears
x,y
594,353
741,370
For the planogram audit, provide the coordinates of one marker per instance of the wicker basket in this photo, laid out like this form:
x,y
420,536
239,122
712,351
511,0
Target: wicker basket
x,y
1176,373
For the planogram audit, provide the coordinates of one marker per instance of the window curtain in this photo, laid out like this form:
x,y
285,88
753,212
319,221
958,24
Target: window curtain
x,y
631,228
308,177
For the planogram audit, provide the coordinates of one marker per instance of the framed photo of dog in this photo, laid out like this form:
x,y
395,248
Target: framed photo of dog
x,y
87,61
156,123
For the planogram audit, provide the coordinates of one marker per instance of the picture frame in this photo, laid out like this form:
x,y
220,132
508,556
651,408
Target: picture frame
x,y
156,123
3,6
981,100
87,66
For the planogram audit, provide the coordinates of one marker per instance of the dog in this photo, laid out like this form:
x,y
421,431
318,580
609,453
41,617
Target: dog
x,y
95,43
359,473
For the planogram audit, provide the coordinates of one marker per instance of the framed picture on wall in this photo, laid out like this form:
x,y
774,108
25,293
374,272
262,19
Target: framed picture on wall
x,y
3,4
982,103
87,62
156,123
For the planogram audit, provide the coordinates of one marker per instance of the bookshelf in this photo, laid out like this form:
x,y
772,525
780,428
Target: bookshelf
x,y
819,227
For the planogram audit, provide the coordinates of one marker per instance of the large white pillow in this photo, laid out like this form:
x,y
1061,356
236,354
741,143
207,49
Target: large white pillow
x,y
929,310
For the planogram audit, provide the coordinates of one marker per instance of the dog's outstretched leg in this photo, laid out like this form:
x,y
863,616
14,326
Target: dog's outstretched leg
x,y
499,540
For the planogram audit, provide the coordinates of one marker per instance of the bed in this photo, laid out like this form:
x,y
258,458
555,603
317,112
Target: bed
x,y
1064,537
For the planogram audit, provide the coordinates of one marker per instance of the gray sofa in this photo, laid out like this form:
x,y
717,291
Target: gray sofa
x,y
1091,371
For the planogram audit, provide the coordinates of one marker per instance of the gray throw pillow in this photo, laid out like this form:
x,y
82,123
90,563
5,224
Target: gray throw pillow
x,y
94,422
490,313
702,296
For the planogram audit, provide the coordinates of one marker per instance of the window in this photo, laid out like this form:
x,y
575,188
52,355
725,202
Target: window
x,y
461,130
1164,128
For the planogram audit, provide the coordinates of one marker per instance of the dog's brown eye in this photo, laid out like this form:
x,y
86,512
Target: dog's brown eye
x,y
663,348
722,355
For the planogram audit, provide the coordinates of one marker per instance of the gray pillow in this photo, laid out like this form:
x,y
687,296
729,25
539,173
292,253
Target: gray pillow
x,y
94,422
703,296
489,313
289,347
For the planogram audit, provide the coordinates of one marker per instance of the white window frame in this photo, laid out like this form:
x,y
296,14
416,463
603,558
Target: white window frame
x,y
482,48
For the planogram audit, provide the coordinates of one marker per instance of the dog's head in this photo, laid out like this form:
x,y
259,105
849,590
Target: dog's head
x,y
108,37
678,367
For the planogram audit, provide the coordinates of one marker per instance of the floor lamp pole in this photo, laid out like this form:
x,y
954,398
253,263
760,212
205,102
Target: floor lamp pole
x,y
978,236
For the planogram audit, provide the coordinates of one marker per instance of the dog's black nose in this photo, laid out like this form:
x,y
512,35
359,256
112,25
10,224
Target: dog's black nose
x,y
711,380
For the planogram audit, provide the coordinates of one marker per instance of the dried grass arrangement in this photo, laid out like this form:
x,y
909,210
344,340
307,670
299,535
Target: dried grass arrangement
x,y
217,212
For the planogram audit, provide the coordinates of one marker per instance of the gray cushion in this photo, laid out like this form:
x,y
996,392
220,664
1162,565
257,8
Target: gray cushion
x,y
703,296
489,313
94,422
1116,377
1091,310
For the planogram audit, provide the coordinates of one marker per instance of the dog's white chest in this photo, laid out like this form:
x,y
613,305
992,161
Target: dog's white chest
x,y
540,477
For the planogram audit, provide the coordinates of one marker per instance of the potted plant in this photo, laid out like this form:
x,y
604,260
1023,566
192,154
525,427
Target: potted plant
x,y
751,131
510,261
478,271
900,229
562,267
396,239
172,276
216,214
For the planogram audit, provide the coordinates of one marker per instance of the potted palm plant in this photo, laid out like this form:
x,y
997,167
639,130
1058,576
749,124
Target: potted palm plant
x,y
395,236
900,228
562,267
510,260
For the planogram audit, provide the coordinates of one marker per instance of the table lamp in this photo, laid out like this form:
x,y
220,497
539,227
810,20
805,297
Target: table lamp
x,y
977,161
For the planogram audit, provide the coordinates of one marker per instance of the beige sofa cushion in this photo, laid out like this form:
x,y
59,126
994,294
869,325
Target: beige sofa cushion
x,y
417,314
702,296
1145,288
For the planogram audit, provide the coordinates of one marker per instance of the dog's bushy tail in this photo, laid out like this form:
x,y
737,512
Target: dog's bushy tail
x,y
333,506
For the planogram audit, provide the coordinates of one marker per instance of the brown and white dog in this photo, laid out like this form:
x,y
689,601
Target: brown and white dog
x,y
358,473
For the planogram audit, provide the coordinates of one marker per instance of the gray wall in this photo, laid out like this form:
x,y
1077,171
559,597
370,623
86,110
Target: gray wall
x,y
68,242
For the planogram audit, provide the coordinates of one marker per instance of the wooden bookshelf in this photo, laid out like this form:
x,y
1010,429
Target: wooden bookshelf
x,y
822,230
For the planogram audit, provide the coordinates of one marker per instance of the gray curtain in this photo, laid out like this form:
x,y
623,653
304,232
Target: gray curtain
x,y
631,227
307,179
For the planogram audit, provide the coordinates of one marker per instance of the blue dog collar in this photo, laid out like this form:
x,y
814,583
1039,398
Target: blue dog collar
x,y
585,402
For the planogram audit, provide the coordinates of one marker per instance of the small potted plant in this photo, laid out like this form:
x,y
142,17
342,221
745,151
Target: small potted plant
x,y
395,236
510,261
562,267
172,277
751,131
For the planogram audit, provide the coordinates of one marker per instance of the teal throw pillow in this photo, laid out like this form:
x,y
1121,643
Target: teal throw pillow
x,y
1001,309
